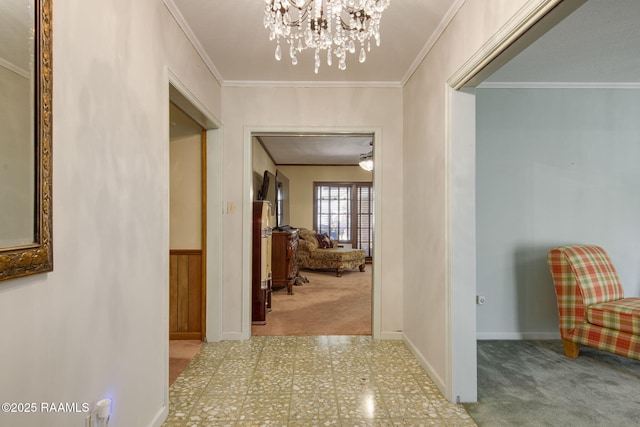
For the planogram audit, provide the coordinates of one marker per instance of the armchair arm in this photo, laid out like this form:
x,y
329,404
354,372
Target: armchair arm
x,y
571,310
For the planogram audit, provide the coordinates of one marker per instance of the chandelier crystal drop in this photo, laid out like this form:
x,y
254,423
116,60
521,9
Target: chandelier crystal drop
x,y
337,26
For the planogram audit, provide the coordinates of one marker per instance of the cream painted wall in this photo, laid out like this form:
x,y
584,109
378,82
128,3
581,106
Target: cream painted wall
x,y
426,174
301,179
185,192
97,326
286,109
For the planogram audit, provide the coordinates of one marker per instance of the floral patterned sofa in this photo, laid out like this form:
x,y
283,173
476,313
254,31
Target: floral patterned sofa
x,y
318,252
591,304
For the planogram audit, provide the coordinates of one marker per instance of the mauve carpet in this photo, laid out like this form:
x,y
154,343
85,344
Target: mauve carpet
x,y
327,305
180,354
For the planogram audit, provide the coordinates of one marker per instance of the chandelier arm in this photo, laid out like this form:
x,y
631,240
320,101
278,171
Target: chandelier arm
x,y
346,26
298,22
303,9
305,4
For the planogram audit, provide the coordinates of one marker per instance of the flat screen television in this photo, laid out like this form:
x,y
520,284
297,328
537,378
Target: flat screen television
x,y
268,190
275,189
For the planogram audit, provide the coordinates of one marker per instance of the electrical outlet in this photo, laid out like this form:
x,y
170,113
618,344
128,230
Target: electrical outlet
x,y
480,299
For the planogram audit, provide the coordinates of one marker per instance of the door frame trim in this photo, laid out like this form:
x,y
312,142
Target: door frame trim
x,y
248,133
212,205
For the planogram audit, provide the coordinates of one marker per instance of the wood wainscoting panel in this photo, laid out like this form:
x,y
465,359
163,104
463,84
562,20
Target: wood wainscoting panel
x,y
185,294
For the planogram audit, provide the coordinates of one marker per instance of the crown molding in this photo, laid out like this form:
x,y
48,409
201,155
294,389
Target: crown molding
x,y
310,84
182,23
14,68
508,38
559,85
442,26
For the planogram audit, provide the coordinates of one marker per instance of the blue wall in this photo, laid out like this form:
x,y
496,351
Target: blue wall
x,y
554,166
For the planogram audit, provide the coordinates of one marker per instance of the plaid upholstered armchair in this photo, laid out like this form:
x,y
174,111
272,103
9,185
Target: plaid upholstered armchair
x,y
591,304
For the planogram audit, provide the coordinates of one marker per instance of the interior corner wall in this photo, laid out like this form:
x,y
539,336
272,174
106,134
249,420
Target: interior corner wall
x,y
426,317
316,109
554,167
97,326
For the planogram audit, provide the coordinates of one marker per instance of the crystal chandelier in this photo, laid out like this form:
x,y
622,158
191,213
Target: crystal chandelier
x,y
336,26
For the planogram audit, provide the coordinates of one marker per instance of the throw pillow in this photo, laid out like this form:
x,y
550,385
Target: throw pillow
x,y
324,242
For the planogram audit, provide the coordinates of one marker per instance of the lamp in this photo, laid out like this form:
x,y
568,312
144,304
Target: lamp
x,y
366,161
332,25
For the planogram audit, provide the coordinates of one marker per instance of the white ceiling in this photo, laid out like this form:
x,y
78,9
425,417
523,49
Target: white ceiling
x,y
232,35
599,42
296,149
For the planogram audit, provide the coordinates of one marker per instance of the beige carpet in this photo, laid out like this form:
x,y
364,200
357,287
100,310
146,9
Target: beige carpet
x,y
180,354
327,305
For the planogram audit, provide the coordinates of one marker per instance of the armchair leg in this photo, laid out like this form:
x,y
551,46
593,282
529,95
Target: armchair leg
x,y
571,349
339,272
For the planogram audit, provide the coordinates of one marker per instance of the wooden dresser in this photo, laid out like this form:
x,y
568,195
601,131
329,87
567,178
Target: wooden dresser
x,y
284,259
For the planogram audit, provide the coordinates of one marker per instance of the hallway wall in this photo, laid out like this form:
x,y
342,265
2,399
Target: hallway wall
x,y
97,326
297,108
426,161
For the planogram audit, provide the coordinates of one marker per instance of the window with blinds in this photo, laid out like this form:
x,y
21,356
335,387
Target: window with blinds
x,y
344,211
364,223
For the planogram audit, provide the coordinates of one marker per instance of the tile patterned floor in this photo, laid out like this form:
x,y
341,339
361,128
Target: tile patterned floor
x,y
308,381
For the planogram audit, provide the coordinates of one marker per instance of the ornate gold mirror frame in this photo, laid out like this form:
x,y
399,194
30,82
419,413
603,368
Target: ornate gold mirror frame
x,y
37,257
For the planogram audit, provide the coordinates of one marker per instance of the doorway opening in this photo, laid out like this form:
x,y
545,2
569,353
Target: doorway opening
x,y
194,313
461,117
317,188
187,239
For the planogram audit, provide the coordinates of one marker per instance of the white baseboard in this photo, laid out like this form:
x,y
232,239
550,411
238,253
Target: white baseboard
x,y
233,336
426,366
391,335
518,335
160,417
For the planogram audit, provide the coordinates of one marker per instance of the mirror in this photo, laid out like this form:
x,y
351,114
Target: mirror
x,y
25,137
